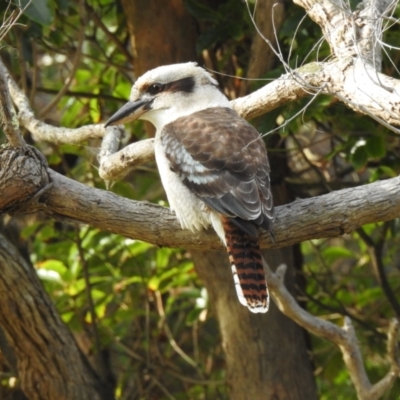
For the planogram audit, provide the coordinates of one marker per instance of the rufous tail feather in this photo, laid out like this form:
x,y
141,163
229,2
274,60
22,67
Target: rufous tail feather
x,y
247,268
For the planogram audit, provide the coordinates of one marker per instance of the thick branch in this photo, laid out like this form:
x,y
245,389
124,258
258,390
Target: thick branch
x,y
109,146
351,33
333,19
352,82
325,216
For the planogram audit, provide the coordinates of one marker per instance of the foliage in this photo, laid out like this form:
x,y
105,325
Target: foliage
x,y
145,306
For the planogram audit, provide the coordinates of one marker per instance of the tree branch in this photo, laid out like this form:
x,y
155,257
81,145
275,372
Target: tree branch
x,y
45,132
8,118
115,166
350,81
329,215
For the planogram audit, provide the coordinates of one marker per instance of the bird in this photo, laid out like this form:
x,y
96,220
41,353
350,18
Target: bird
x,y
213,166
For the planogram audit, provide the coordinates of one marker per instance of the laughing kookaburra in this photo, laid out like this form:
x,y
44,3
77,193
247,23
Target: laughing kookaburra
x,y
213,166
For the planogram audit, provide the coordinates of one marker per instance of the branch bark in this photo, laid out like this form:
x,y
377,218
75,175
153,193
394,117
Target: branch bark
x,y
8,118
329,215
325,216
351,81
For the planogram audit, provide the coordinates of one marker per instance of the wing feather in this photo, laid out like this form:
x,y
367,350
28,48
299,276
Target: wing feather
x,y
222,159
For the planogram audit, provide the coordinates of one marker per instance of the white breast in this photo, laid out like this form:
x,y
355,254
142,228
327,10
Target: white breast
x,y
190,210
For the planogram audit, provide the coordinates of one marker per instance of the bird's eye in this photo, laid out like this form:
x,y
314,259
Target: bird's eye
x,y
155,88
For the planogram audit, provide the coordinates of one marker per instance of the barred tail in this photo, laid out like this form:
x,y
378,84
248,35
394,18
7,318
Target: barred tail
x,y
247,268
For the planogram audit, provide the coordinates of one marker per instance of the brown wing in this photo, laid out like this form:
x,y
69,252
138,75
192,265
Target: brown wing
x,y
222,159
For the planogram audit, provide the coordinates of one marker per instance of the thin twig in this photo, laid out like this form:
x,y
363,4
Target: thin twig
x,y
168,332
11,21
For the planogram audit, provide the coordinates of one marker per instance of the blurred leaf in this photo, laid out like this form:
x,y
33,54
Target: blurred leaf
x,y
334,253
38,11
376,147
53,265
162,257
359,157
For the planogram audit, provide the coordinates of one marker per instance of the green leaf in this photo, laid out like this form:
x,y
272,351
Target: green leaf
x,y
53,265
38,11
162,257
359,157
376,146
334,253
123,89
76,287
386,170
153,283
382,172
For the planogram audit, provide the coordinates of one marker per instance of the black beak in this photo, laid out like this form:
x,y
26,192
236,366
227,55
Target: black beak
x,y
131,111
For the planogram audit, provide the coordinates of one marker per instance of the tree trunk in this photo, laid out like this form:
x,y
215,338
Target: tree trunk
x,y
33,337
160,35
266,354
49,363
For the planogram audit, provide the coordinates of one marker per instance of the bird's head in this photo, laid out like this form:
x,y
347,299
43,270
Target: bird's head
x,y
166,93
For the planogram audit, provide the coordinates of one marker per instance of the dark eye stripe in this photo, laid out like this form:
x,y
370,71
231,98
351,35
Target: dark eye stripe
x,y
185,85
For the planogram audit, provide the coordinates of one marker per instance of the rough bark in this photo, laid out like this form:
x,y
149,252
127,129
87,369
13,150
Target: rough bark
x,y
23,172
50,365
8,118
